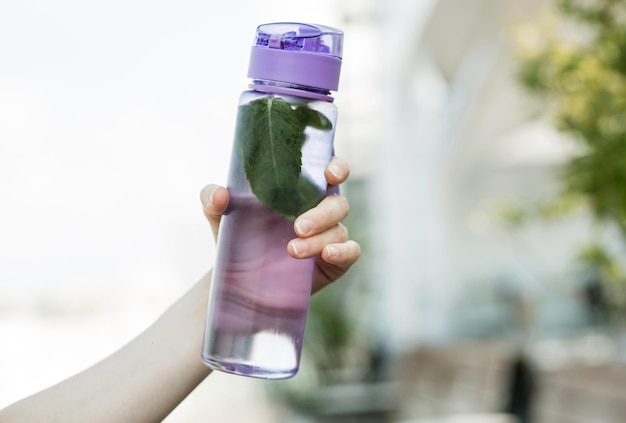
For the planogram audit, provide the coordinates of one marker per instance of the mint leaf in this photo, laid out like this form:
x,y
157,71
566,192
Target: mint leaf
x,y
309,195
310,117
269,138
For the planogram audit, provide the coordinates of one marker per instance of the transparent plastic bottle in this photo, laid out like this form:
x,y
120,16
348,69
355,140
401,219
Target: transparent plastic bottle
x,y
283,142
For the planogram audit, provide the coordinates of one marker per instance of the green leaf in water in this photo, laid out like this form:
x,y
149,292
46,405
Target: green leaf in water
x,y
310,117
269,138
309,195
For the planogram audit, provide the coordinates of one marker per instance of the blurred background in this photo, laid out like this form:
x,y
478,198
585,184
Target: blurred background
x,y
487,141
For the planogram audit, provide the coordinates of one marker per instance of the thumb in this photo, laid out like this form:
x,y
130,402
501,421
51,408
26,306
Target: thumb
x,y
214,200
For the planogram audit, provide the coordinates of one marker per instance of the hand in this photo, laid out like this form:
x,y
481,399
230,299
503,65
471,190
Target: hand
x,y
320,231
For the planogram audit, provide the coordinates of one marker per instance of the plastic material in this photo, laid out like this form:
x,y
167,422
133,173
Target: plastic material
x,y
300,54
259,293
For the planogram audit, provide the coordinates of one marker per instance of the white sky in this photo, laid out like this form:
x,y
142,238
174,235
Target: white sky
x,y
113,115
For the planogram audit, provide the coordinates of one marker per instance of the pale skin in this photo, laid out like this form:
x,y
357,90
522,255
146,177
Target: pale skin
x,y
148,377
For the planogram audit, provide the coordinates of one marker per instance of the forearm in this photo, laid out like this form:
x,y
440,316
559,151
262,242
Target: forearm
x,y
142,382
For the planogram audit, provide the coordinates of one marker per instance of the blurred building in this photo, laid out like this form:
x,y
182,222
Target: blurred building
x,y
440,135
440,132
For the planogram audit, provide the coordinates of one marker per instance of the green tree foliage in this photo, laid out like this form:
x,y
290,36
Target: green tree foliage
x,y
580,71
577,66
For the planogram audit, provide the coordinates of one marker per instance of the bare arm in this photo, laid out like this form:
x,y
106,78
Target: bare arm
x,y
142,382
146,379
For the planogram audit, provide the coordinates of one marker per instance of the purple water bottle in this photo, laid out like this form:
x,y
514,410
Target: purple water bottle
x,y
283,142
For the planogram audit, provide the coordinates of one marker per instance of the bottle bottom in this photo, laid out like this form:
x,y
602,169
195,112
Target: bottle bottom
x,y
267,355
241,369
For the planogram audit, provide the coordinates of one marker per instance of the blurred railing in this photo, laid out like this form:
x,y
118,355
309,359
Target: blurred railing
x,y
478,378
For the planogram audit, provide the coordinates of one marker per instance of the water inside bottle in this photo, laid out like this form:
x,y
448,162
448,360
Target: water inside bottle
x,y
260,307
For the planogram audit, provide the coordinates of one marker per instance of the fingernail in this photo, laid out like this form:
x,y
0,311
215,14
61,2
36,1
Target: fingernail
x,y
207,197
335,170
304,226
298,247
331,251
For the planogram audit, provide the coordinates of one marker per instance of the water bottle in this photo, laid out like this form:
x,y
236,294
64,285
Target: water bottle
x,y
283,141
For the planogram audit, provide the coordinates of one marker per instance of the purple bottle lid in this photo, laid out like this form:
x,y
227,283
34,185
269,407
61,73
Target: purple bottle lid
x,y
305,55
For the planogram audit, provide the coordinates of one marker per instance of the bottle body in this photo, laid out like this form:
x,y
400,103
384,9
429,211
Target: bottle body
x,y
259,293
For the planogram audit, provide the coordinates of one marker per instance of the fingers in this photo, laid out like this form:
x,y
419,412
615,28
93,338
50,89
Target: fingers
x,y
314,245
334,262
319,230
342,255
337,171
214,200
332,210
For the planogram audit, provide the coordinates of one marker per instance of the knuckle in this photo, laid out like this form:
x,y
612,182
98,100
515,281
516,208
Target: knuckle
x,y
342,232
343,204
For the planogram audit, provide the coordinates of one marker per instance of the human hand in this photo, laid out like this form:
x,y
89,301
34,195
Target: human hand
x,y
320,231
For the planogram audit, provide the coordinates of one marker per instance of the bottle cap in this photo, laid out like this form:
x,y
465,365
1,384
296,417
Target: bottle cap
x,y
296,53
